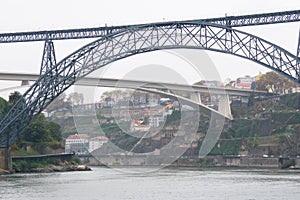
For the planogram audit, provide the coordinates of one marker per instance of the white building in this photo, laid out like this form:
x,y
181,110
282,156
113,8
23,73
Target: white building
x,y
156,120
244,82
97,142
77,143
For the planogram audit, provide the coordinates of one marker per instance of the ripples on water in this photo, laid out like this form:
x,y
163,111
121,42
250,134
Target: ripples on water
x,y
105,183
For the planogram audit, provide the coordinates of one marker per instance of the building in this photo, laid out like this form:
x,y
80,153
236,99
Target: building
x,y
156,120
230,84
77,143
128,98
97,142
245,82
152,99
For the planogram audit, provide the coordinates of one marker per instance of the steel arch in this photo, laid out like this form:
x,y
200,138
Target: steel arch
x,y
135,40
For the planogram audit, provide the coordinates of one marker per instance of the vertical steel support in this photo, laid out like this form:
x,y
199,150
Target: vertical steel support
x,y
49,59
298,59
1,117
5,158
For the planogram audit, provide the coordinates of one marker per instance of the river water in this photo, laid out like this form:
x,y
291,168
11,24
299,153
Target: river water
x,y
165,184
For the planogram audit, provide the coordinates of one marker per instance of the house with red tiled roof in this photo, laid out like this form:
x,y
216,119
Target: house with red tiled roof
x,y
244,82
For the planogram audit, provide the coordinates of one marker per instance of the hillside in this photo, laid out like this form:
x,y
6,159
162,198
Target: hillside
x,y
261,127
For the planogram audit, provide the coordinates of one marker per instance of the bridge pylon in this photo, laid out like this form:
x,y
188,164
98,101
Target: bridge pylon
x,y
298,57
5,159
48,59
224,105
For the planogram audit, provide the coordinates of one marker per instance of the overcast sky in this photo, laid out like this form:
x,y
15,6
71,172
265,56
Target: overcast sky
x,y
33,15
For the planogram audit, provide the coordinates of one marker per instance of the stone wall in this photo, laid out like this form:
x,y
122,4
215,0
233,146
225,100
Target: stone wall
x,y
2,160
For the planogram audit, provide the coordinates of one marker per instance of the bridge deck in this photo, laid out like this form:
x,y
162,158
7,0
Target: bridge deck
x,y
119,83
230,21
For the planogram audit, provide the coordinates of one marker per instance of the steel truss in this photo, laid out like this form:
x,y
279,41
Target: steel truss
x,y
230,21
49,58
135,40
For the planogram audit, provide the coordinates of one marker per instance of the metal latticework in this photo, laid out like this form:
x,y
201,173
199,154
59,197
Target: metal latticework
x,y
230,21
298,55
48,59
135,40
1,114
258,19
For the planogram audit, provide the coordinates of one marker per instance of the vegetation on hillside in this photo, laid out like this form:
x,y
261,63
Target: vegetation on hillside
x,y
271,126
273,82
4,107
39,137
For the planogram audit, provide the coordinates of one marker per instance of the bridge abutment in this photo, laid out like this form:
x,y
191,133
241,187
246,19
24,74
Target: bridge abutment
x,y
5,159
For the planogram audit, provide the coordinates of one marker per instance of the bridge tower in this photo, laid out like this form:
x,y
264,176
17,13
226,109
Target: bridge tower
x,y
48,59
298,56
48,62
5,158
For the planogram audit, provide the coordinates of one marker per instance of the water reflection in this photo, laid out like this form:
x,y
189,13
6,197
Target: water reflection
x,y
104,183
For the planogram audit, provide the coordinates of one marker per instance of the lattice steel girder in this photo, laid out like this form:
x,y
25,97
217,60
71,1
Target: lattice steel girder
x,y
49,58
231,21
135,40
258,19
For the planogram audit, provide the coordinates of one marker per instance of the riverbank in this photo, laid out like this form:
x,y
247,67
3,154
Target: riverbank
x,y
53,168
209,161
48,163
56,168
3,172
241,162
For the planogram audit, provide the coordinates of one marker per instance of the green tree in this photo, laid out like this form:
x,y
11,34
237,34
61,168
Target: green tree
x,y
251,100
4,107
257,107
60,102
274,82
41,135
14,97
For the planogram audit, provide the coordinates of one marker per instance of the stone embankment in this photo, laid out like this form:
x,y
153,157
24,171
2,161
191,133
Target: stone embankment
x,y
3,172
57,168
48,163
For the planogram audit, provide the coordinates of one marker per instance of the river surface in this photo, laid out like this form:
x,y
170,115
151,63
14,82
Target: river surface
x,y
165,184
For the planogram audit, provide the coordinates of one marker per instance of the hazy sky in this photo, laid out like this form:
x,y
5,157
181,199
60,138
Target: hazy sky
x,y
33,15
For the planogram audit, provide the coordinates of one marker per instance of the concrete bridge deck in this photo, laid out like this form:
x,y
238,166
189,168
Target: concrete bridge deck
x,y
123,83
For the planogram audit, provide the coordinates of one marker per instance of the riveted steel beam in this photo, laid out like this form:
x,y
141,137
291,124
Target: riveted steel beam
x,y
230,21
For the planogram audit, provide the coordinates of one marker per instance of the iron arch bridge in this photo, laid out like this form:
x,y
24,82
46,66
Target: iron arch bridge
x,y
135,40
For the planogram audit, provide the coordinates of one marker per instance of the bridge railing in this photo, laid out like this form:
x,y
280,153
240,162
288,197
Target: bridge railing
x,y
230,21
